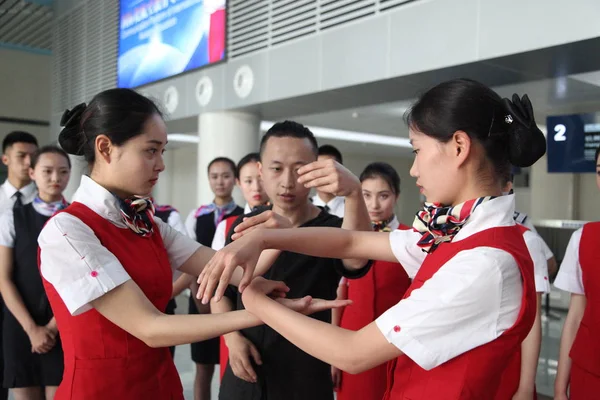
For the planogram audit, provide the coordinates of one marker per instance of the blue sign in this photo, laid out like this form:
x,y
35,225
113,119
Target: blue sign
x,y
162,38
572,141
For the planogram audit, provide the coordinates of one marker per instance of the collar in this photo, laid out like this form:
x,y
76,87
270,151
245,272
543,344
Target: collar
x,y
491,214
332,204
99,200
26,190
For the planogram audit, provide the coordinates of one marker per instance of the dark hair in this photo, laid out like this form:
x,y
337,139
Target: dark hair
x,y
597,154
384,171
505,128
225,160
332,151
119,114
247,159
289,129
49,150
18,137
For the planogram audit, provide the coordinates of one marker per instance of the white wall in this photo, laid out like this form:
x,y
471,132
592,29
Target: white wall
x,y
25,84
589,198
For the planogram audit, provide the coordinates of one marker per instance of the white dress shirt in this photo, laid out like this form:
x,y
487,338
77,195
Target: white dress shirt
x,y
221,234
535,245
569,276
527,222
8,198
336,205
7,224
175,222
470,301
70,250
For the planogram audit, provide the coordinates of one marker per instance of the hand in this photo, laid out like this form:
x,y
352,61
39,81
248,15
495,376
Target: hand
x,y
523,395
267,219
42,339
336,377
216,275
240,351
307,305
329,176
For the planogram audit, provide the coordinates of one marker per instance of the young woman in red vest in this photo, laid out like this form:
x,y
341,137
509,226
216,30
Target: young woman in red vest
x,y
381,288
33,354
472,299
249,181
579,358
108,264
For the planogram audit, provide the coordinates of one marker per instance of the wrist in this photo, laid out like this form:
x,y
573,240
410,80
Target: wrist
x,y
231,336
29,328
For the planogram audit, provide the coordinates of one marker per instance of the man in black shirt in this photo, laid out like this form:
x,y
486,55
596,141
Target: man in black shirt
x,y
263,365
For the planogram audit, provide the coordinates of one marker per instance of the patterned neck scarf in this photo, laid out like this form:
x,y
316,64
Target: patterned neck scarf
x,y
382,226
138,214
220,211
440,224
50,209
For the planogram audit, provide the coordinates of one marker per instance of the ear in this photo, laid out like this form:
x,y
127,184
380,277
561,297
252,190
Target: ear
x,y
260,169
461,146
237,182
32,174
103,147
5,159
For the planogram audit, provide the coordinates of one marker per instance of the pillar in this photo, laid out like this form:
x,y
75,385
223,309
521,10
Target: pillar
x,y
224,134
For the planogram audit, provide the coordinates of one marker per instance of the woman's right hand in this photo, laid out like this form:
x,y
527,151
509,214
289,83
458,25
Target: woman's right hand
x,y
42,339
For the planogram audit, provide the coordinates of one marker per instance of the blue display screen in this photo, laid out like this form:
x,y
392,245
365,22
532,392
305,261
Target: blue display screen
x,y
162,38
572,141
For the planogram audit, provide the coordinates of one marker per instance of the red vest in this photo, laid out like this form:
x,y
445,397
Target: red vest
x,y
511,377
373,294
102,361
224,351
474,375
585,351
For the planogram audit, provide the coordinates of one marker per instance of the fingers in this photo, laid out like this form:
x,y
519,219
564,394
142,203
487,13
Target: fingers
x,y
249,370
246,279
253,221
239,369
316,165
217,281
238,235
327,183
255,354
321,305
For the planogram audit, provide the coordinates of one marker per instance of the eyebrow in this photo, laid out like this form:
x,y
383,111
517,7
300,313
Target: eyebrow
x,y
156,142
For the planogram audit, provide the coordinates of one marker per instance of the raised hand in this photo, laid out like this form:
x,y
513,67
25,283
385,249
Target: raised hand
x,y
329,176
265,220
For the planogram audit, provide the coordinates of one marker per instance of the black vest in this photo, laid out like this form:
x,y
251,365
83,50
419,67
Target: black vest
x,y
205,226
26,274
164,215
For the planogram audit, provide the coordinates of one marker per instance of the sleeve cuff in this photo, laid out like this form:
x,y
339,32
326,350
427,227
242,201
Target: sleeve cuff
x,y
394,334
542,284
97,283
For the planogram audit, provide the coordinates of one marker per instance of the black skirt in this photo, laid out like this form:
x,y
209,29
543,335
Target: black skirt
x,y
205,352
22,368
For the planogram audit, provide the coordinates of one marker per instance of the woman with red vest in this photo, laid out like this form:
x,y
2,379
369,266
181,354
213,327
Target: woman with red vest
x,y
249,181
381,288
579,357
472,299
107,263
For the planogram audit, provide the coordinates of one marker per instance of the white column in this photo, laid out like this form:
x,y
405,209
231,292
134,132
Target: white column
x,y
224,134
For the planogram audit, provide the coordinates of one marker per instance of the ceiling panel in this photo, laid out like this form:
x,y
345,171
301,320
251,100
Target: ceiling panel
x,y
26,25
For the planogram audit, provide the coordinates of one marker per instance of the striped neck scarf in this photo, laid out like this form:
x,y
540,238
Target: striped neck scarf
x,y
382,226
50,209
439,224
138,214
219,211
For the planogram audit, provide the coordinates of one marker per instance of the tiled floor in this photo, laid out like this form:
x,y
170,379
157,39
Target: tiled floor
x,y
551,326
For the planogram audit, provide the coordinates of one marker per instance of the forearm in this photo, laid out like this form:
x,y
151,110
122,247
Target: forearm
x,y
563,374
172,330
324,341
329,243
223,306
356,218
530,352
14,303
182,283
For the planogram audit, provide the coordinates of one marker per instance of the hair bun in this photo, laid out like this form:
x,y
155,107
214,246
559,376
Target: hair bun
x,y
526,141
71,138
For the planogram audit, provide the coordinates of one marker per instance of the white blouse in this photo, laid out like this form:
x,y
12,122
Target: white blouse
x,y
470,301
569,276
7,225
70,250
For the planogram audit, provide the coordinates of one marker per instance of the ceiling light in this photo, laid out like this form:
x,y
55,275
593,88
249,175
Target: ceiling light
x,y
350,136
182,137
